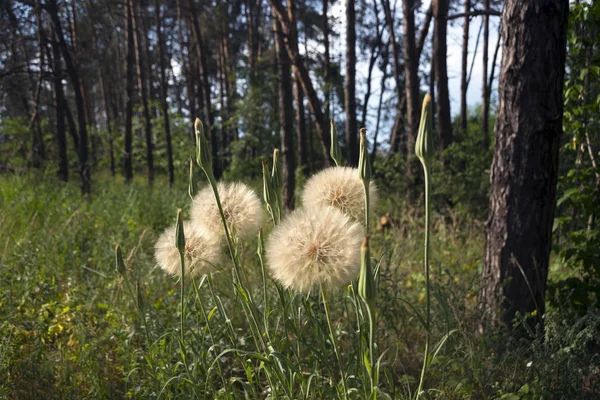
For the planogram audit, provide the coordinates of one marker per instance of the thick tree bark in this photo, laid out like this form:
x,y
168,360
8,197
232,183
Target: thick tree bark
x,y
350,86
464,66
164,86
129,61
485,96
525,167
411,83
286,116
288,23
440,12
84,166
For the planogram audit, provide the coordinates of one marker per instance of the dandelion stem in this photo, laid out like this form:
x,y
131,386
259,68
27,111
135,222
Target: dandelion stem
x,y
182,264
334,343
427,294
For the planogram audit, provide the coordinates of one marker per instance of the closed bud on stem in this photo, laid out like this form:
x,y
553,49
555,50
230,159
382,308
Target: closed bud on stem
x,y
119,263
179,234
424,144
364,164
203,157
261,244
140,297
366,280
268,191
192,185
276,172
334,151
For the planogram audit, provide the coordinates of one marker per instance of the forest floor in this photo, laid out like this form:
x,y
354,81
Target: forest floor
x,y
69,329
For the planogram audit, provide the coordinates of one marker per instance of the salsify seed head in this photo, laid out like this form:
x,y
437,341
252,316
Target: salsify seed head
x,y
339,187
241,207
315,247
202,251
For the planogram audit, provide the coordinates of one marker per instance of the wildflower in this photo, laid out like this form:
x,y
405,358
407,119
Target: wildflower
x,y
315,247
201,251
241,207
339,187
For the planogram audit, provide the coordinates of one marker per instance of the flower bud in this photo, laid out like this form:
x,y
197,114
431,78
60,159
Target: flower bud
x,y
203,157
179,234
424,144
277,178
268,192
366,280
120,264
364,164
192,185
334,150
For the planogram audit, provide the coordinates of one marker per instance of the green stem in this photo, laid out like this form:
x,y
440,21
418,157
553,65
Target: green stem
x,y
427,294
182,263
334,343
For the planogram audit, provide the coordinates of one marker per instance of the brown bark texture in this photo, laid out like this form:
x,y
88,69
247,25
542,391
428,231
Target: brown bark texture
x,y
524,170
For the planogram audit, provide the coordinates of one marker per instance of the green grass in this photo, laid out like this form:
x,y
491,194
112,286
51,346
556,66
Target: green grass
x,y
69,329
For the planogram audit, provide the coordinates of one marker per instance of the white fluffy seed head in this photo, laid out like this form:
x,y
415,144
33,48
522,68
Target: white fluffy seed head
x,y
202,251
241,207
339,187
315,247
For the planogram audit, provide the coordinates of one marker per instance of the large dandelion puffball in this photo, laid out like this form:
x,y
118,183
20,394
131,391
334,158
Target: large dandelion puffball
x,y
315,247
202,251
339,187
241,207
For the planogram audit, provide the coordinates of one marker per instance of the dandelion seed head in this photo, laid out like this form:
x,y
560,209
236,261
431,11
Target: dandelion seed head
x,y
314,247
339,187
241,207
202,251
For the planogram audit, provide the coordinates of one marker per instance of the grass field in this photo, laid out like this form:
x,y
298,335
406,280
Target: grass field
x,y
70,328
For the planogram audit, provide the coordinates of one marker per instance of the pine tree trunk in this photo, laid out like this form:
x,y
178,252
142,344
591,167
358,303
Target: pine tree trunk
x,y
286,115
485,95
164,87
398,125
130,60
288,23
464,66
350,86
440,13
411,82
84,166
326,60
59,101
206,91
142,89
525,166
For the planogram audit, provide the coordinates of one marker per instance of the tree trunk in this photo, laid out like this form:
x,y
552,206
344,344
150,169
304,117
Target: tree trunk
x,y
84,166
288,23
286,115
59,101
440,13
142,89
350,86
525,166
485,97
203,71
130,60
411,82
164,87
326,60
464,66
398,125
